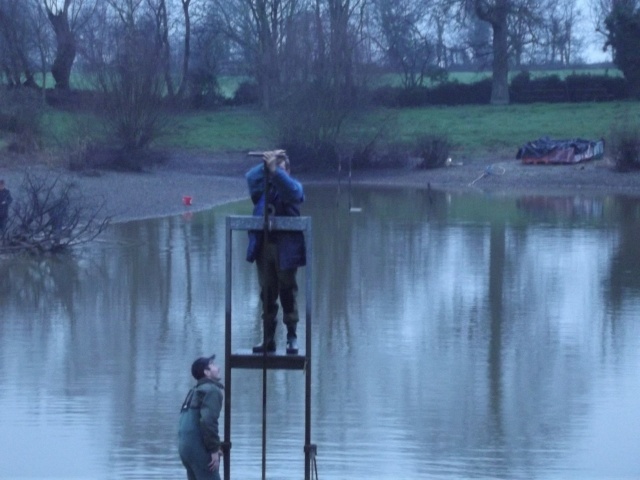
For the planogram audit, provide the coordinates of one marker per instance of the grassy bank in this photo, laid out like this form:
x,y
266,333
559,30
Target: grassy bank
x,y
489,129
479,129
471,129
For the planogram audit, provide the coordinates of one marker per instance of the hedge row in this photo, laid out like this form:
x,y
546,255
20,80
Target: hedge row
x,y
523,89
574,88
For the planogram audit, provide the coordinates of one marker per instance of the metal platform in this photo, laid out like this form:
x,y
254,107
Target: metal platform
x,y
246,359
276,360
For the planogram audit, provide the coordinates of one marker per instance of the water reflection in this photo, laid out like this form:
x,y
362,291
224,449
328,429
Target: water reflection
x,y
564,208
462,336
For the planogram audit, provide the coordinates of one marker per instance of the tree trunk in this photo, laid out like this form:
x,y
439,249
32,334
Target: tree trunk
x,y
500,81
163,33
496,14
268,75
66,48
187,47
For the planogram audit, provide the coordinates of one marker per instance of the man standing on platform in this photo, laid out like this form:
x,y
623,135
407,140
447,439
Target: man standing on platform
x,y
284,251
198,437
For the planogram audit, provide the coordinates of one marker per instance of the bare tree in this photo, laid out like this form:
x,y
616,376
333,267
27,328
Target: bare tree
x,y
16,59
130,77
525,22
50,216
67,17
496,13
406,39
345,21
161,12
316,109
561,40
158,9
446,18
259,28
207,49
66,42
186,54
43,40
475,43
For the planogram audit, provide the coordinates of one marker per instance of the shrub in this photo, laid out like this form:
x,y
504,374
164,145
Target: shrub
x,y
318,156
595,88
203,90
455,93
574,88
625,146
433,150
309,122
389,155
247,93
20,115
386,96
446,93
50,216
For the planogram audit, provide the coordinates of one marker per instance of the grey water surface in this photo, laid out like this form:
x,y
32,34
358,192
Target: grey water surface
x,y
454,336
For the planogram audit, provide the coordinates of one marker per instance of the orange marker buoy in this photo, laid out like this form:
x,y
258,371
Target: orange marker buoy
x,y
186,200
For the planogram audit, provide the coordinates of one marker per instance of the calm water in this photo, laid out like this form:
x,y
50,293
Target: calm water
x,y
454,337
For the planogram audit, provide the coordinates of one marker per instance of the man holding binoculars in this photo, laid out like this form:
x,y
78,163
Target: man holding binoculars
x,y
278,254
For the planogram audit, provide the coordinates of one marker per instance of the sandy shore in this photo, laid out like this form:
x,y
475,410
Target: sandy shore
x,y
217,179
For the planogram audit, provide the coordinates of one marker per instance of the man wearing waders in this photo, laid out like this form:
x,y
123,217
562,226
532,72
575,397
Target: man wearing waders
x,y
284,251
198,438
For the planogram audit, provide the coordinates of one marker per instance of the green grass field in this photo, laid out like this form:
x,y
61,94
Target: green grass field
x,y
224,130
471,129
484,129
491,129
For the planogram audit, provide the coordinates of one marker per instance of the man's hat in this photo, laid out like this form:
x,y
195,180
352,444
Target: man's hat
x,y
199,365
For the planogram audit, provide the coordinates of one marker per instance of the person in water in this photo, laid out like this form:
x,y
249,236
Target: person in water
x,y
198,437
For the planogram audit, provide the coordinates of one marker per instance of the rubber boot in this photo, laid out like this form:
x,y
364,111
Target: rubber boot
x,y
292,340
270,338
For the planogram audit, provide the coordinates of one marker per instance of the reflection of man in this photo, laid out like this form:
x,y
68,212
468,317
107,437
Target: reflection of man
x,y
199,441
284,252
5,201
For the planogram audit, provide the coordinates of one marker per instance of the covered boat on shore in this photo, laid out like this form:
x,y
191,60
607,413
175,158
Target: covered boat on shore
x,y
548,151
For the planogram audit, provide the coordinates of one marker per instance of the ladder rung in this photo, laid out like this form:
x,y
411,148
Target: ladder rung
x,y
278,360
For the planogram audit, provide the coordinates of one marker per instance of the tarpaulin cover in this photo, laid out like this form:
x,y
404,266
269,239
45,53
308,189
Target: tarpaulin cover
x,y
546,150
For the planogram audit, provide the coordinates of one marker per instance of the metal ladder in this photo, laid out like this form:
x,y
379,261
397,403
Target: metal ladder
x,y
278,360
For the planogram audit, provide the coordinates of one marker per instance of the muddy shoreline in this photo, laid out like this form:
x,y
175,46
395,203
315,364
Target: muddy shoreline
x,y
215,179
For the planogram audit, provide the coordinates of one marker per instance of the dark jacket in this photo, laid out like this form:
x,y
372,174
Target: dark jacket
x,y
199,416
286,195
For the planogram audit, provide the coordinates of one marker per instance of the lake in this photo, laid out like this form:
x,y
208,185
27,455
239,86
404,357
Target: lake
x,y
454,336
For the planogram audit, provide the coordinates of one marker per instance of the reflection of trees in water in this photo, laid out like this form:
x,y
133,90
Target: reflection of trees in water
x,y
175,266
41,281
562,208
524,397
625,264
497,258
333,269
346,242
